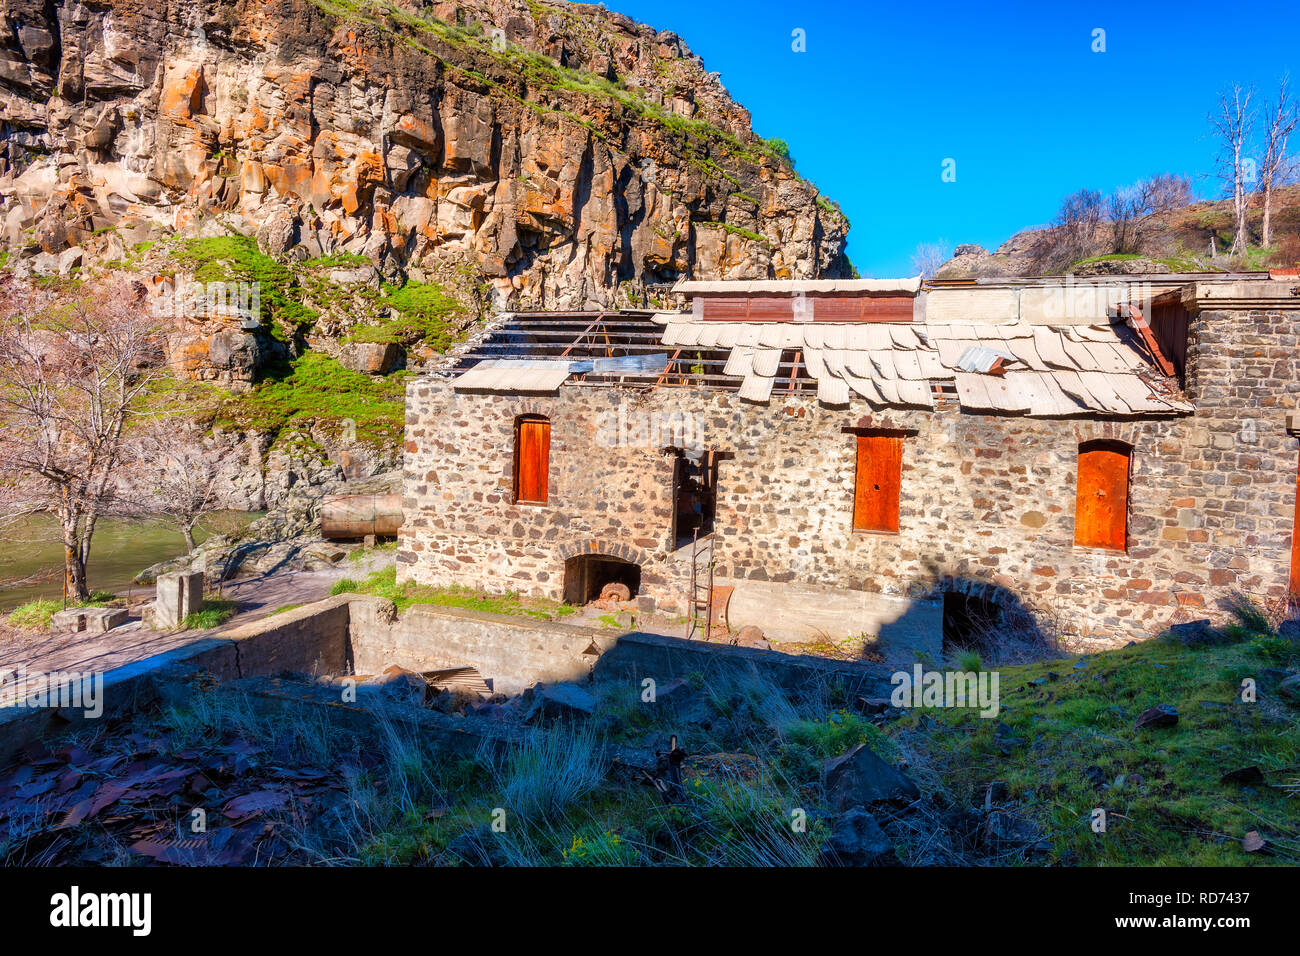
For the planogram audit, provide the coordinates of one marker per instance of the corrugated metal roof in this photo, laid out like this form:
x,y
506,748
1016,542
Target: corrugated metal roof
x,y
513,375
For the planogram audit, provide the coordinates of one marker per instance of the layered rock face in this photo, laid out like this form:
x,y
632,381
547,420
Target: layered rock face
x,y
560,152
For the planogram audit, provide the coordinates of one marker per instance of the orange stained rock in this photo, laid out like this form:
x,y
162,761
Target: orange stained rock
x,y
369,167
181,97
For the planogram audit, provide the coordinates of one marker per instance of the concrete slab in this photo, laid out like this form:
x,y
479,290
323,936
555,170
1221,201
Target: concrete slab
x,y
89,620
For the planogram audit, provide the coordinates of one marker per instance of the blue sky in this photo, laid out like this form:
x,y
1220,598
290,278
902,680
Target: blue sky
x,y
1012,92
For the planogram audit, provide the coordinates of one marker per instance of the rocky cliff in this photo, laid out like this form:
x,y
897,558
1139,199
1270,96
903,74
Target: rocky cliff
x,y
561,154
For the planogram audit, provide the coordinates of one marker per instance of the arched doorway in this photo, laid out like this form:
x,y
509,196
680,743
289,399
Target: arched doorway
x,y
586,574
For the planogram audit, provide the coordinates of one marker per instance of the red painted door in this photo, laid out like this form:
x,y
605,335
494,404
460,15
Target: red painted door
x,y
534,459
879,480
1295,538
1101,499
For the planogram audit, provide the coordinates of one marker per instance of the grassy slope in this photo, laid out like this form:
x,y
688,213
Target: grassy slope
x,y
1181,239
311,388
1174,811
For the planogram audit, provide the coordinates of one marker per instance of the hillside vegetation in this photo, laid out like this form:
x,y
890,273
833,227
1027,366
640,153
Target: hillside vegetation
x,y
1194,237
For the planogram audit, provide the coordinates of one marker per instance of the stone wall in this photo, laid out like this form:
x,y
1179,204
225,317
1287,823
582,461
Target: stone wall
x,y
987,503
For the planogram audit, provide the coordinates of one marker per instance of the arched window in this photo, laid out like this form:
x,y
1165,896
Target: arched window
x,y
1101,500
532,459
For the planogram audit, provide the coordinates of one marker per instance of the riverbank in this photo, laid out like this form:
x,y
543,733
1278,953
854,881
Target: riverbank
x,y
31,554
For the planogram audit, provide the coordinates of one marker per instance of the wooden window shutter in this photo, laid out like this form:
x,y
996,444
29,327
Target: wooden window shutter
x,y
879,480
1101,501
532,460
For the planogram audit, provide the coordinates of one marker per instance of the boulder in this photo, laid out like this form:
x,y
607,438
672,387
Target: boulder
x,y
857,840
1198,634
561,702
861,778
1290,688
1246,776
751,636
395,685
371,358
70,259
1161,715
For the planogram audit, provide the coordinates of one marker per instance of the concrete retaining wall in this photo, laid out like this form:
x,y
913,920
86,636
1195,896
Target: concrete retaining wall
x,y
511,652
363,634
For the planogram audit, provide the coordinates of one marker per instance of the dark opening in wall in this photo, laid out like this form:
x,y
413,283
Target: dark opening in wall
x,y
587,574
695,495
968,622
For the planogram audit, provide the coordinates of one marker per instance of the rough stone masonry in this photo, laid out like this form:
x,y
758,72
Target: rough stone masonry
x,y
986,507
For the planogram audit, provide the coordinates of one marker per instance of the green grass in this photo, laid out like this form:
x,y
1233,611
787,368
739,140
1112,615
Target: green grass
x,y
284,607
384,584
213,613
316,388
235,258
357,555
337,260
34,615
425,313
1170,809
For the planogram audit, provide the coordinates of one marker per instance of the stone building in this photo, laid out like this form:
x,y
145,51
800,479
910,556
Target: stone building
x,y
888,458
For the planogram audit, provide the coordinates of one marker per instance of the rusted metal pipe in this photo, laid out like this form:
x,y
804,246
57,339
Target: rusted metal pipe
x,y
355,516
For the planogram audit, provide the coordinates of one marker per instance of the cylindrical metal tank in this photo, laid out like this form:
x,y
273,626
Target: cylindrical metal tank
x,y
355,516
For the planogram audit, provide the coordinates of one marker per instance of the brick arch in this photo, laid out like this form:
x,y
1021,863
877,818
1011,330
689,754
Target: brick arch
x,y
530,406
605,548
1130,433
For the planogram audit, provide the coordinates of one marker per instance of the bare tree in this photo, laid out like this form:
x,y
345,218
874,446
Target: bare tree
x,y
1133,210
74,373
1280,119
171,475
1072,234
929,257
1233,122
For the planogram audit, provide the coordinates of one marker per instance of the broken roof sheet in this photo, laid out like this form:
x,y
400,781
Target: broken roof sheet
x,y
514,375
1036,370
1046,370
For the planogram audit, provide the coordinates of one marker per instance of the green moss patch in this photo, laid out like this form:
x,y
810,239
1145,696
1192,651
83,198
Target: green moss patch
x,y
384,583
315,388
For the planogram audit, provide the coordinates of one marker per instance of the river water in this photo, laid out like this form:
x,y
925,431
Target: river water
x,y
119,551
